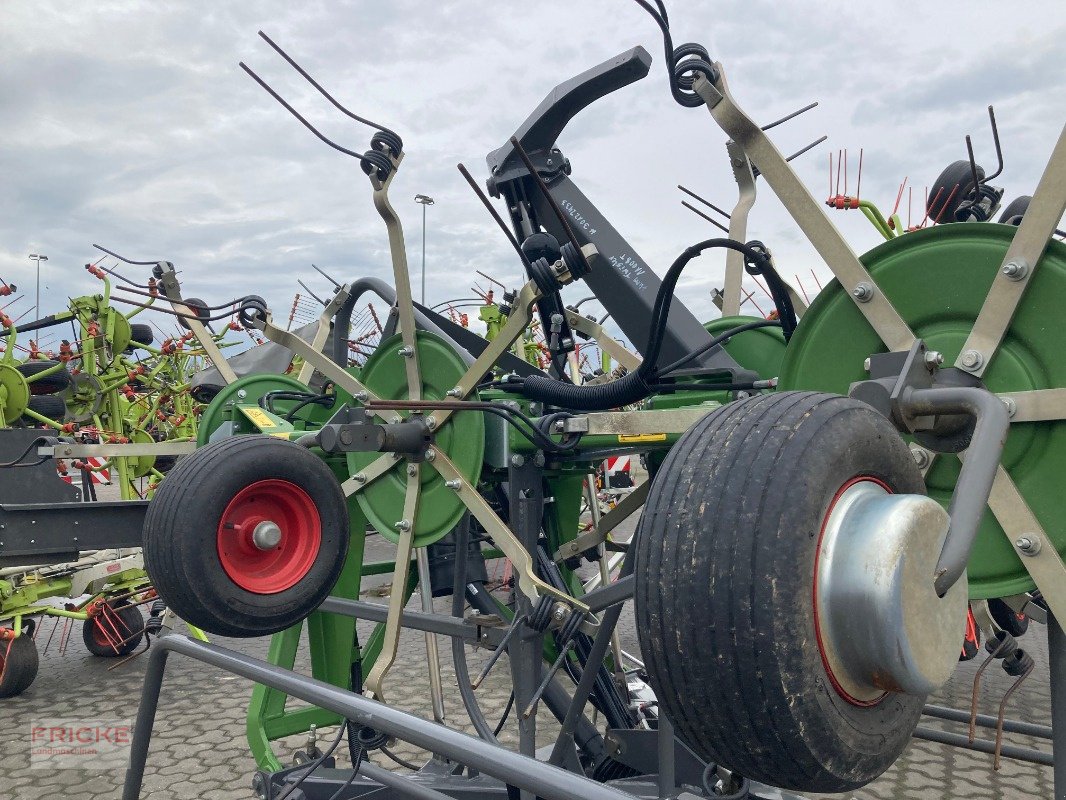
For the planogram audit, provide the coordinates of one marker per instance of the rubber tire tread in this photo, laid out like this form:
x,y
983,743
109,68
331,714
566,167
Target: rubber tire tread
x,y
725,572
140,333
21,667
131,621
1015,208
49,384
957,173
50,406
180,535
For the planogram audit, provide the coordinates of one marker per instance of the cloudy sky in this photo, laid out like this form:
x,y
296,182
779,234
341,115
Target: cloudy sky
x,y
130,124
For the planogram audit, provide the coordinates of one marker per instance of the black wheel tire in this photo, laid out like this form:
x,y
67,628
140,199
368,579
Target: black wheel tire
x,y
165,463
1007,618
129,626
1016,208
140,334
949,190
50,406
181,543
205,392
198,307
725,560
49,384
18,665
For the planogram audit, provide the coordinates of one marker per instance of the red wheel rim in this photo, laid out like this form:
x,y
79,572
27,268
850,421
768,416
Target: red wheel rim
x,y
272,570
814,596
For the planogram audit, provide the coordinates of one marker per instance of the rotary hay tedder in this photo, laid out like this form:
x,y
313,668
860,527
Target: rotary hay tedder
x,y
807,550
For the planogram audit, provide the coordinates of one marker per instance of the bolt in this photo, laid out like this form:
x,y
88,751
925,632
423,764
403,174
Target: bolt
x,y
971,359
430,454
1015,270
920,456
864,292
406,352
396,419
362,397
412,470
933,358
1029,547
866,365
1012,406
403,525
456,392
359,477
738,162
241,394
538,459
431,423
559,612
455,485
517,460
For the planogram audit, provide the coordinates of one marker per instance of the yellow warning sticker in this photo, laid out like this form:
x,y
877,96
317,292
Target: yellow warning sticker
x,y
281,435
624,438
258,417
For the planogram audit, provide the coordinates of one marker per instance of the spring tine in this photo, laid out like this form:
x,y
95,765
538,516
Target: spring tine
x,y
1002,711
327,277
787,117
496,216
858,184
976,686
711,220
300,117
803,150
322,91
703,200
53,633
973,166
499,651
564,653
999,150
124,259
306,289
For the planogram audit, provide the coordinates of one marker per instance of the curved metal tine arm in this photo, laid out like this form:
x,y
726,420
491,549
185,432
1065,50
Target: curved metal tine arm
x,y
405,307
397,599
300,117
336,104
368,475
1021,525
504,538
1025,251
322,332
805,210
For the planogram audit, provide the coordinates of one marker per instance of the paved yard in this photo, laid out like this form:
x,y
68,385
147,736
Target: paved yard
x,y
199,749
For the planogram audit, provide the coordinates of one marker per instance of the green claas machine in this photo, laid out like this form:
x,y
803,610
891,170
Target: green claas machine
x,y
833,493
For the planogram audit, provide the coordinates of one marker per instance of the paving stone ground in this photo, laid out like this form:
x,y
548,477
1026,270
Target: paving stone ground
x,y
199,748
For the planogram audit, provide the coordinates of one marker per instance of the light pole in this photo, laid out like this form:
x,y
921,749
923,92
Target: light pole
x,y
38,258
424,200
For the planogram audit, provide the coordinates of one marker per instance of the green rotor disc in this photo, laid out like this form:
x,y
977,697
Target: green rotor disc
x,y
462,439
141,465
17,396
760,350
937,279
254,387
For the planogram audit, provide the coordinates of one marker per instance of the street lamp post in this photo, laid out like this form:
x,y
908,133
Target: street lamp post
x,y
38,258
424,200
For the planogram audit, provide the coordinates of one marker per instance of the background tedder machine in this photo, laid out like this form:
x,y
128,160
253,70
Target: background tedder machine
x,y
839,494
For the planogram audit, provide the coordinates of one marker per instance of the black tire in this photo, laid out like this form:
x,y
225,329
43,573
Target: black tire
x,y
949,190
18,665
49,384
50,406
1007,618
128,628
1015,210
183,528
198,307
725,560
140,334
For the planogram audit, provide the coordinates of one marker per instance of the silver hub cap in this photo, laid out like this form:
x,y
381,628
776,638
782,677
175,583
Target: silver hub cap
x,y
267,535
